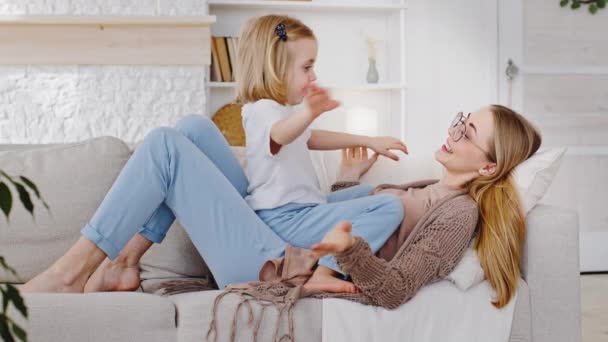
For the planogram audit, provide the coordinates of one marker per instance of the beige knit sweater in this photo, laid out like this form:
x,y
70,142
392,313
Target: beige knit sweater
x,y
429,254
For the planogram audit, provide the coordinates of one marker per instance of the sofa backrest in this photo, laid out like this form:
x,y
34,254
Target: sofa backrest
x,y
74,178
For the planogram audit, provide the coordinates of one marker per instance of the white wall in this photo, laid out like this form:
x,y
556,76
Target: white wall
x,y
451,65
43,104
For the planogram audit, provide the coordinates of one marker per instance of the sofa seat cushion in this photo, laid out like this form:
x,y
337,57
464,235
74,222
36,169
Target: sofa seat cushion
x,y
99,317
194,317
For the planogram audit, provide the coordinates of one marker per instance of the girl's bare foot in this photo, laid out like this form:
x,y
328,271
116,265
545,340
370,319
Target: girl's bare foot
x,y
324,279
115,275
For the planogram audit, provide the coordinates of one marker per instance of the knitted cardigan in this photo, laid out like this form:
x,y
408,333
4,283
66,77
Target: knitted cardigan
x,y
429,254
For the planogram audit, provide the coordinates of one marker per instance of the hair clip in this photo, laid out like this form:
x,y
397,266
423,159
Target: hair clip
x,y
280,31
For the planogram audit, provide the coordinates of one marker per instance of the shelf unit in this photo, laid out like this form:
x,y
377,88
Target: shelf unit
x,y
341,29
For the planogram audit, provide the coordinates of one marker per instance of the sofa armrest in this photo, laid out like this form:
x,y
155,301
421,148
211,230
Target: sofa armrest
x,y
550,266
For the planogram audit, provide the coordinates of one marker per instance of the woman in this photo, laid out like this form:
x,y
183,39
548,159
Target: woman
x,y
480,153
476,193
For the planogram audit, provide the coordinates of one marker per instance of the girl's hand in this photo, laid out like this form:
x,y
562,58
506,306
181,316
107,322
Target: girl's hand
x,y
383,145
337,240
318,101
355,163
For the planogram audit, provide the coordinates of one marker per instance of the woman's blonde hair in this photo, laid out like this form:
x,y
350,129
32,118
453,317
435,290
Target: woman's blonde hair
x,y
263,60
502,227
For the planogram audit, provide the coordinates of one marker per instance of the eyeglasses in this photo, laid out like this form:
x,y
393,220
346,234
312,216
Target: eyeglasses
x,y
458,129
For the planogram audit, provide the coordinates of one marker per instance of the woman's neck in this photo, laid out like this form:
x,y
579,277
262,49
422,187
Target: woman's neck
x,y
455,181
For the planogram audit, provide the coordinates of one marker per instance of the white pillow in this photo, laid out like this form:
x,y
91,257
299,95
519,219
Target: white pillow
x,y
468,271
534,176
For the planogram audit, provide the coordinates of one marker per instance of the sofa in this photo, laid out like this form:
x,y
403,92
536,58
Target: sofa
x,y
73,179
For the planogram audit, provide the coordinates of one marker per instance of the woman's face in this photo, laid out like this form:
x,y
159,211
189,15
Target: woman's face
x,y
466,154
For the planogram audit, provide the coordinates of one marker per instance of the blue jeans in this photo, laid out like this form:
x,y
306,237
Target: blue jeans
x,y
188,173
374,218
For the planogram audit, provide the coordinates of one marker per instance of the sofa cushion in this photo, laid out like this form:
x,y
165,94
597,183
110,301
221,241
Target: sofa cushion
x,y
194,317
99,317
73,179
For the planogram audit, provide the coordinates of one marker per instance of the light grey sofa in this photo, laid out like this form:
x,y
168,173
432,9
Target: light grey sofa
x,y
73,178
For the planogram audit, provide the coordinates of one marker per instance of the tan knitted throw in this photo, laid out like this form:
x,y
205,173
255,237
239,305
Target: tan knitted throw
x,y
429,254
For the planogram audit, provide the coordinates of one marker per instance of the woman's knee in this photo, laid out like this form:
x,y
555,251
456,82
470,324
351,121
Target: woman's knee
x,y
159,137
193,125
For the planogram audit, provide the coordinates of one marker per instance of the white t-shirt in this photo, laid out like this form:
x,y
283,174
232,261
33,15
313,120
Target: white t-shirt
x,y
286,177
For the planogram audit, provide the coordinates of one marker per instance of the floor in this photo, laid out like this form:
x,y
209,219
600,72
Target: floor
x,y
594,305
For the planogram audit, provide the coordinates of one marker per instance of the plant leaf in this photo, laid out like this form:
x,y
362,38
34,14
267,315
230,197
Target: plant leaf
x,y
575,5
601,3
31,185
4,330
21,334
24,196
4,299
16,298
564,3
6,199
6,266
593,8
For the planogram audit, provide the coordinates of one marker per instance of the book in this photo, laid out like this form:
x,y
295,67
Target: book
x,y
231,54
224,60
215,73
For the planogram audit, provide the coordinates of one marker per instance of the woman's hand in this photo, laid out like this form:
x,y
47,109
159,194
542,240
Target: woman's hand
x,y
355,163
318,101
383,145
337,240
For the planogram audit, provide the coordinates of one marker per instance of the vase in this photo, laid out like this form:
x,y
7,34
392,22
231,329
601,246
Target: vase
x,y
372,72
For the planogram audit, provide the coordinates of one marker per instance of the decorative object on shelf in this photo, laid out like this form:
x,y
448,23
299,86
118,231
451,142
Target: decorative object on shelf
x,y
230,122
372,71
594,5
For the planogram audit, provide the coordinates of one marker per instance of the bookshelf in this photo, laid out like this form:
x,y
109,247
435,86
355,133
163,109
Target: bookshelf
x,y
341,28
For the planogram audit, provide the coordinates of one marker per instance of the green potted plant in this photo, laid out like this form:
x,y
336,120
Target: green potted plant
x,y
594,5
9,330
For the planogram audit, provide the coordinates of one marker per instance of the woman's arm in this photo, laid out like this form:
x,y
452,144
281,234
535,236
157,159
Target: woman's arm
x,y
355,163
432,255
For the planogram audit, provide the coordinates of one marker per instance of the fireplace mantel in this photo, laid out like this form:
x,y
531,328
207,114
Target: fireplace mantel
x,y
105,40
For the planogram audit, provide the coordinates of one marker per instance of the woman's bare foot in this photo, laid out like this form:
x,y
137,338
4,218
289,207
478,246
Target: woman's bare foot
x,y
70,272
114,275
52,281
324,279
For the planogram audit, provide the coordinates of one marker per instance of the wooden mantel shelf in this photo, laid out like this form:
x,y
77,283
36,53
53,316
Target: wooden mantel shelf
x,y
105,20
105,40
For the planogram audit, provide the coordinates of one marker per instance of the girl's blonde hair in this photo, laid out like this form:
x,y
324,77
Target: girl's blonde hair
x,y
502,227
263,60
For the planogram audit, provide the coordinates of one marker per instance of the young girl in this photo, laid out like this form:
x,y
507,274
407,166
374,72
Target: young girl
x,y
275,72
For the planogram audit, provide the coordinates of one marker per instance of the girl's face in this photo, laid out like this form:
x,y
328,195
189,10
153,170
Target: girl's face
x,y
301,73
465,151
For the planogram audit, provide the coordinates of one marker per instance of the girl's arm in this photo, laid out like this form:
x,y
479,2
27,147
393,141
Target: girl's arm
x,y
326,140
286,130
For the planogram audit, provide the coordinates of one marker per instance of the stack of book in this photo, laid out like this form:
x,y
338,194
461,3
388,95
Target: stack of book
x,y
223,58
